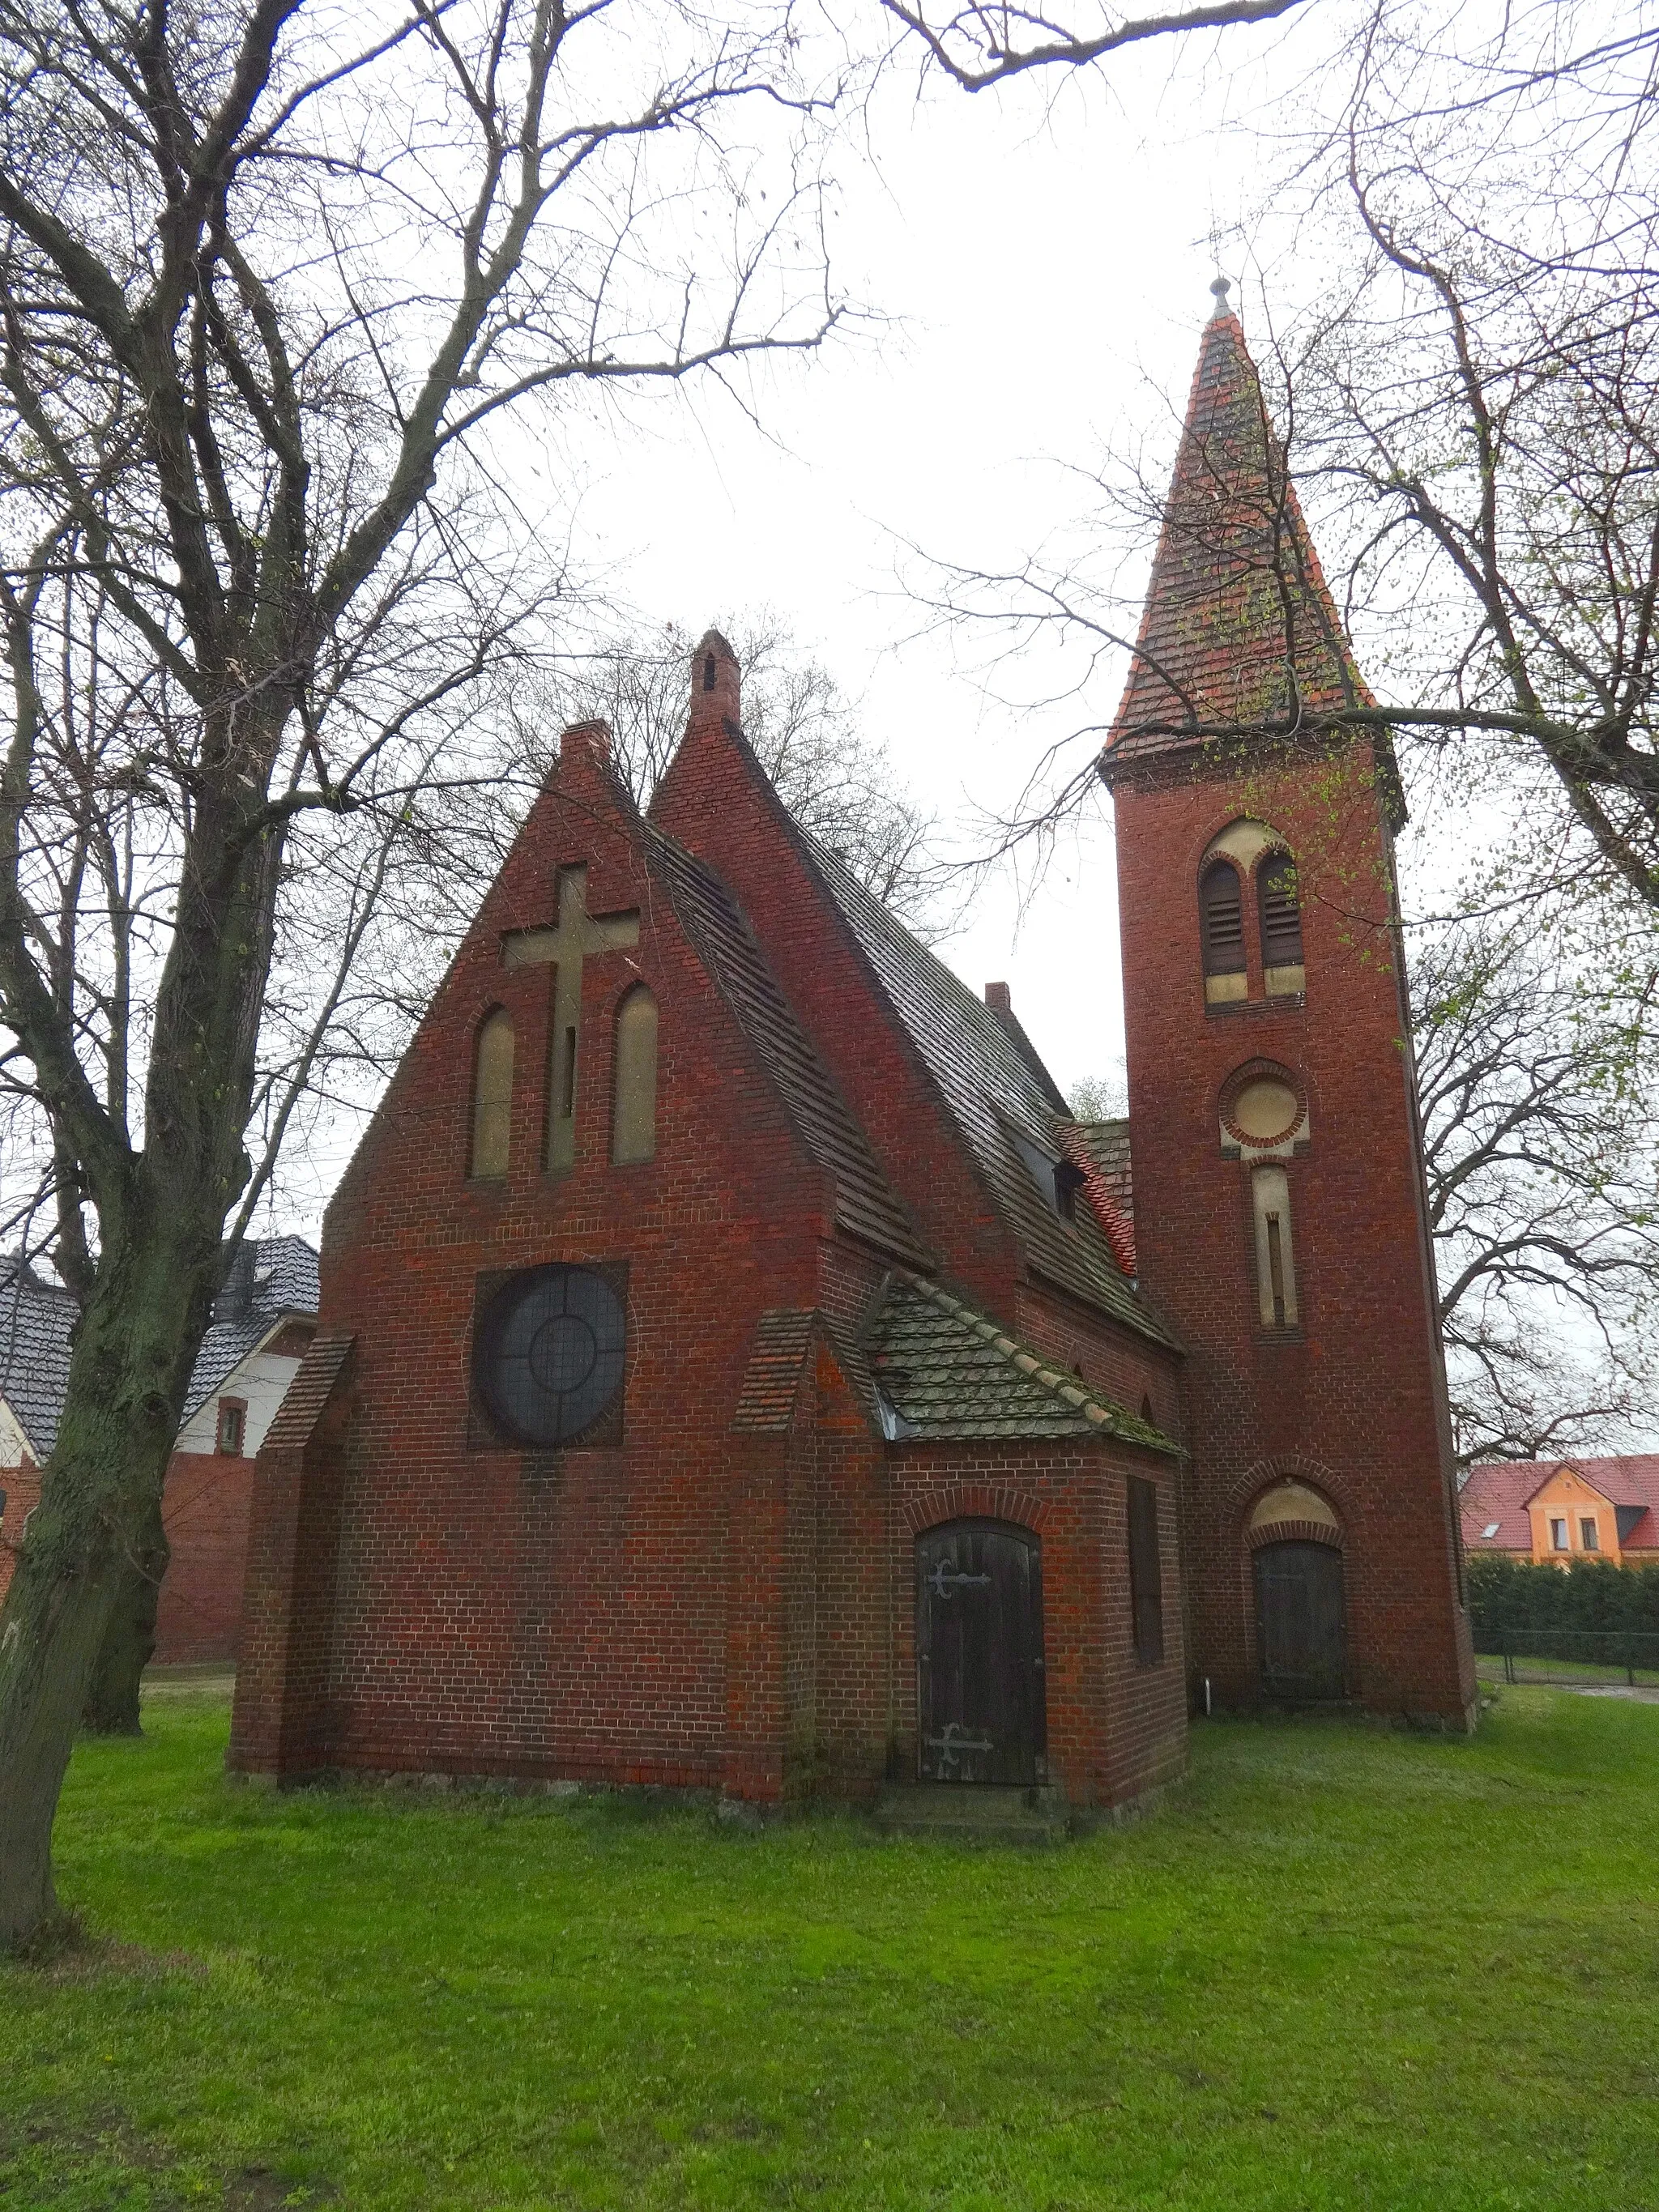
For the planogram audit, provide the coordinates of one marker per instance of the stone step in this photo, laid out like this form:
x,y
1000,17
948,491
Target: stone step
x,y
972,1812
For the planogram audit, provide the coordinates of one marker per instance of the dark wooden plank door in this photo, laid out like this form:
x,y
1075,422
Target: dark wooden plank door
x,y
979,1701
1299,1621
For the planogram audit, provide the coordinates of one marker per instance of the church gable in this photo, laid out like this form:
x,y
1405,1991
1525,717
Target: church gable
x,y
608,1005
961,1113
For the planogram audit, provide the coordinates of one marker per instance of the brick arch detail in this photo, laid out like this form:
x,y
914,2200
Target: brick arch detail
x,y
1294,1532
1278,843
974,1501
1261,1475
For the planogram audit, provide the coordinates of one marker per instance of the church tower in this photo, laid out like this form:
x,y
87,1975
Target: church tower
x,y
1279,1203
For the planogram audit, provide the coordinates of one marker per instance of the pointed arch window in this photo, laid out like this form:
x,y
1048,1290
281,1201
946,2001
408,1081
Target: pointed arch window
x,y
1221,913
492,1096
634,1112
1280,905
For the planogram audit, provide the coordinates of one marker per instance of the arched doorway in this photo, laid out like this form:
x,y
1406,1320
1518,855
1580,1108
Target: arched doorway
x,y
981,1708
1301,1630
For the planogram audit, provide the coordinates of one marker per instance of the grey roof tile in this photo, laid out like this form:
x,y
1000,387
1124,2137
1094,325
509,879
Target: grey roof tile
x,y
948,1370
37,1319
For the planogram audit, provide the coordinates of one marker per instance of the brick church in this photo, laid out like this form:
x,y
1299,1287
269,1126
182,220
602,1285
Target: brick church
x,y
736,1369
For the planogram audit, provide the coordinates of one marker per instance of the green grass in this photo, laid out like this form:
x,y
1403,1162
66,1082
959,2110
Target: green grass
x,y
1344,1967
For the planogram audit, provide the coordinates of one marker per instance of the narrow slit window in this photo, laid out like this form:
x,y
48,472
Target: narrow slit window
x,y
634,1117
492,1096
1275,1260
1284,972
1145,1572
1221,909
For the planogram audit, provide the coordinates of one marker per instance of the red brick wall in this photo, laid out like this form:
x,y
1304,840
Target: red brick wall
x,y
715,802
1116,1728
690,1605
22,1487
491,1609
204,1509
1353,1400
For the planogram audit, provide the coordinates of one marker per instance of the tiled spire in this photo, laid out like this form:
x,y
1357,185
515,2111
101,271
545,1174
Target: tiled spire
x,y
1236,600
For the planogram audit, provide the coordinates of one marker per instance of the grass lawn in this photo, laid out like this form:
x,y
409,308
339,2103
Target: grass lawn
x,y
1342,1968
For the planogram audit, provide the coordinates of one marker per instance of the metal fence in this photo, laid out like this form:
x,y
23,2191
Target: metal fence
x,y
1569,1656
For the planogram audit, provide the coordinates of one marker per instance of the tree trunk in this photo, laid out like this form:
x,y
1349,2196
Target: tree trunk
x,y
100,1494
111,1706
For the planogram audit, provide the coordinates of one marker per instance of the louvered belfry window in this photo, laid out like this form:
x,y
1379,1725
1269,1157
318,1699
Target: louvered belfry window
x,y
1222,904
1281,914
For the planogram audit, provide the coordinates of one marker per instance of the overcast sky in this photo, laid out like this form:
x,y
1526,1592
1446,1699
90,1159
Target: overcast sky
x,y
1047,275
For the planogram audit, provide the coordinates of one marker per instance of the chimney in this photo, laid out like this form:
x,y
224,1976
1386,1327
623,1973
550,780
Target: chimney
x,y
235,1298
998,998
716,687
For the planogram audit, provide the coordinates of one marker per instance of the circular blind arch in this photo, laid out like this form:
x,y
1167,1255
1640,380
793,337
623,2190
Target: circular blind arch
x,y
548,1359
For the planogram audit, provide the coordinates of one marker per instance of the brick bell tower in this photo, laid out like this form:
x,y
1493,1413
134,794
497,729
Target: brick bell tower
x,y
1280,1212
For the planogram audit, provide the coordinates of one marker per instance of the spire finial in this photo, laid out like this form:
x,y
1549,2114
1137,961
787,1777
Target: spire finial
x,y
1220,286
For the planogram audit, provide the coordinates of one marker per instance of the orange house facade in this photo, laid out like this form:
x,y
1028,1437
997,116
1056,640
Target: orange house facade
x,y
1557,1512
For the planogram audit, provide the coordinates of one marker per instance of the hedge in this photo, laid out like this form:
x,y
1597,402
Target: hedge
x,y
1517,1597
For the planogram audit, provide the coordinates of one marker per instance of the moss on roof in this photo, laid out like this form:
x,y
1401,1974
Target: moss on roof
x,y
947,1370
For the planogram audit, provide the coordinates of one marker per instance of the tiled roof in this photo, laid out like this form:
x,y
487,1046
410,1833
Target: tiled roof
x,y
1107,1143
309,1392
772,1378
278,1276
866,1205
947,1370
1236,598
986,1079
36,1318
284,1279
1498,1491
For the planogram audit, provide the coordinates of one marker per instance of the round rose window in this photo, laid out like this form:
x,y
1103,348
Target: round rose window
x,y
548,1358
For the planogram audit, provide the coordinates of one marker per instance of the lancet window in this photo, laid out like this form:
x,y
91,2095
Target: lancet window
x,y
492,1095
633,1111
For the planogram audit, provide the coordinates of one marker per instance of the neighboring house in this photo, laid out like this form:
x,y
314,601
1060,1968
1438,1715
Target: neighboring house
x,y
263,1321
1565,1510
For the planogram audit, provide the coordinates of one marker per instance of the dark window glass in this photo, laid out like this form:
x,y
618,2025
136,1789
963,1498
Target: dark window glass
x,y
548,1358
1146,1572
1281,913
1221,903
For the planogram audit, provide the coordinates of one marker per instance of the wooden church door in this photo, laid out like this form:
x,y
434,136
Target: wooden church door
x,y
1299,1621
980,1701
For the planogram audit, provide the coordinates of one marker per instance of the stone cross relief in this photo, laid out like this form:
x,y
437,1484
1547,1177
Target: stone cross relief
x,y
577,935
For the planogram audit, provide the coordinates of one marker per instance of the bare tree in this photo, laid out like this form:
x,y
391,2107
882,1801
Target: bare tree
x,y
836,777
268,299
1537,1081
1470,406
977,46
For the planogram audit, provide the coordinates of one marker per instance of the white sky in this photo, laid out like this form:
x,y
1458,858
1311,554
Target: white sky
x,y
1049,277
